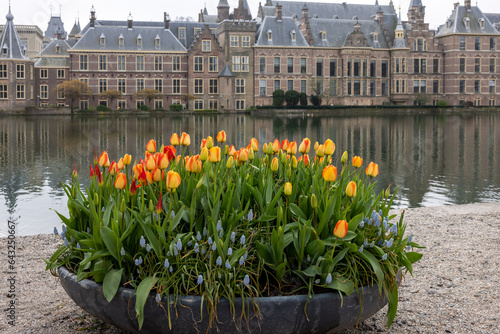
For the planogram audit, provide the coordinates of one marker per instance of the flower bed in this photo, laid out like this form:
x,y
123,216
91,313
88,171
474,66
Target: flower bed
x,y
229,223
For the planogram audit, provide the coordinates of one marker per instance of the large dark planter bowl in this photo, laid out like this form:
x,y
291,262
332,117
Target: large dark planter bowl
x,y
326,312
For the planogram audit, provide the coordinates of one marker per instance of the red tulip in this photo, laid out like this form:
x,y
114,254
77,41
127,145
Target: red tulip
x,y
170,151
133,188
159,206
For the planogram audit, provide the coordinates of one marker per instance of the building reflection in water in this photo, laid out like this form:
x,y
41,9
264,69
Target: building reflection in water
x,y
435,159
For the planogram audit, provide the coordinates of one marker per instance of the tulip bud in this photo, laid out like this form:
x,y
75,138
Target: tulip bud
x,y
226,150
254,145
123,205
204,154
185,139
221,136
200,182
288,189
305,146
344,158
314,201
341,228
229,163
283,157
96,199
351,189
357,161
151,146
133,188
121,165
75,173
251,153
95,157
174,140
214,154
280,214
294,162
320,151
329,147
151,207
316,145
210,142
121,181
274,164
372,169
127,159
388,191
264,148
159,206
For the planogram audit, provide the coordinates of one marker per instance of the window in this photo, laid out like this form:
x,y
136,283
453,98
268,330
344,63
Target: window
x,y
139,103
245,40
462,65
435,86
157,41
373,69
462,42
213,104
319,67
176,63
198,104
435,65
206,46
333,67
102,40
372,88
323,35
20,92
198,86
420,44
196,31
233,41
60,74
122,104
477,65
289,62
244,64
462,86
3,71
182,33
240,86
364,67
139,64
213,86
385,67
349,67
176,86
176,101
303,86
240,64
277,84
319,87
103,85
84,104
20,71
159,85
121,63
290,85
269,36
277,64
357,87
121,86
333,87
492,103
293,36
385,88
44,91
303,65
103,63
212,64
240,104
357,67
492,87
3,92
476,86
492,65
121,40
158,104
84,80
139,85
158,63
262,87
139,40
492,44
477,44
198,64
419,86
420,65
262,64
103,103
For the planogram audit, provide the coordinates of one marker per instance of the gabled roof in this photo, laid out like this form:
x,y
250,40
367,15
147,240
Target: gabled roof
x,y
281,33
76,29
456,22
55,25
49,56
90,40
226,72
9,41
494,19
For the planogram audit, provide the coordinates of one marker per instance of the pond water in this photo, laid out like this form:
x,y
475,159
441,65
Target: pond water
x,y
434,158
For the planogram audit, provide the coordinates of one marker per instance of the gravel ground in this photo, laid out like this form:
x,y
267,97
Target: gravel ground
x,y
455,288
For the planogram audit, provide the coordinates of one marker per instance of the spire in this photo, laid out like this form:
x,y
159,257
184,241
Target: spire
x,y
223,3
10,45
205,11
376,2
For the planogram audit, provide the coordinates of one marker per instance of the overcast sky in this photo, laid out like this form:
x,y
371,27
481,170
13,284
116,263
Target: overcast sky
x,y
38,11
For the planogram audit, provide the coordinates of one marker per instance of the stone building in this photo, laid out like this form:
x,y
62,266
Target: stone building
x,y
31,38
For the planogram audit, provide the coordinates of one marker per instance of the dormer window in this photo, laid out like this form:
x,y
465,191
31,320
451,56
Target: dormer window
x,y
5,49
102,40
196,31
58,48
139,40
293,35
270,35
467,23
449,23
335,17
375,37
295,17
157,40
354,18
323,35
121,40
481,23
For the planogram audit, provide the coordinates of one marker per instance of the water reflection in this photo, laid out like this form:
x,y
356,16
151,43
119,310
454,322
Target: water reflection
x,y
435,159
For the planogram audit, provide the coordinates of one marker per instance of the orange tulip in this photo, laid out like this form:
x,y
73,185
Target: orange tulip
x,y
190,161
214,154
372,169
254,145
159,206
305,146
185,139
121,165
284,144
151,146
231,150
274,164
357,161
276,146
329,147
133,188
150,163
292,148
149,177
121,181
127,159
340,230
330,173
204,154
288,189
351,190
203,144
242,155
221,136
174,140
137,169
103,159
170,152
163,161
316,145
320,151
157,175
113,168
210,142
173,180
305,158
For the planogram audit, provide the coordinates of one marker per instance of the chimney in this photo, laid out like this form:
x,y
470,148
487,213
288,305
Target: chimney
x,y
92,17
467,4
380,15
279,12
166,20
129,21
305,14
200,16
455,5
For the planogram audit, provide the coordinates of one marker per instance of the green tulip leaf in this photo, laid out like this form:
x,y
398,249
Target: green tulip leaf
x,y
111,283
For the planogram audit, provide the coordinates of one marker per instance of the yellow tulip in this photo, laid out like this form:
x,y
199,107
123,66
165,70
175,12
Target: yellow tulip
x,y
151,146
127,159
121,165
185,139
292,148
274,164
230,162
174,140
351,190
341,228
330,173
320,151
329,147
288,188
221,136
204,154
210,142
121,181
214,154
254,145
344,158
276,146
357,161
173,180
372,169
305,146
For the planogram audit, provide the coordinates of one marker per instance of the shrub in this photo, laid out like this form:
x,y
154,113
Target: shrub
x,y
175,107
278,98
103,108
315,100
291,98
303,99
144,107
442,103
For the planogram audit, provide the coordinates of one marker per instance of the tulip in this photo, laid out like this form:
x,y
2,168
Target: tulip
x,y
204,154
150,163
264,148
75,173
292,148
243,155
316,145
163,161
314,201
254,145
221,136
351,190
357,161
157,175
340,230
330,173
151,146
133,188
170,152
372,169
143,177
189,162
274,164
305,158
210,142
121,181
270,149
329,147
214,154
121,165
100,179
276,146
103,159
113,168
388,191
284,144
320,151
149,177
305,146
294,162
203,144
230,162
251,153
95,157
185,139
344,158
198,166
288,189
173,180
137,169
174,140
92,173
231,150
127,159
177,159
159,206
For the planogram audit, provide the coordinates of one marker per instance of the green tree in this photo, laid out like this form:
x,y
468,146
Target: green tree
x,y
303,99
74,90
291,98
278,98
